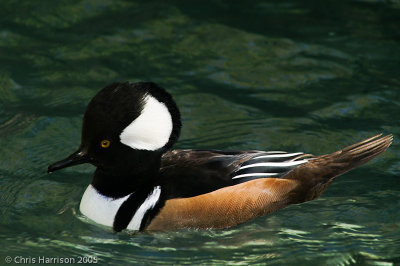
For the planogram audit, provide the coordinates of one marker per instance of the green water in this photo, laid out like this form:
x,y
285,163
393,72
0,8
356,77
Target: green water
x,y
310,76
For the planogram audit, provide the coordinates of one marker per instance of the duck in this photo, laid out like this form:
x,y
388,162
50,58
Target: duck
x,y
142,184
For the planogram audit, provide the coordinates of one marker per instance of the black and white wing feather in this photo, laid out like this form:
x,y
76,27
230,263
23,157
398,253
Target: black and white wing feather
x,y
269,164
188,173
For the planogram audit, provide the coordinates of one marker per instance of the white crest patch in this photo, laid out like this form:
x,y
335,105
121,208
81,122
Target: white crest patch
x,y
148,204
151,130
100,208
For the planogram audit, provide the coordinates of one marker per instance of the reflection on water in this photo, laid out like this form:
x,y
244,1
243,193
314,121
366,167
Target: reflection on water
x,y
295,75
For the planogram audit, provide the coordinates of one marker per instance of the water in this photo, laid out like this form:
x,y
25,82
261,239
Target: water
x,y
310,76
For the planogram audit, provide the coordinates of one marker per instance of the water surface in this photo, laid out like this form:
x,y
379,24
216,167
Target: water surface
x,y
311,76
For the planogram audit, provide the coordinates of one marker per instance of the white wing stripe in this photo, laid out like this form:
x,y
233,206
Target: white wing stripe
x,y
274,164
254,174
278,155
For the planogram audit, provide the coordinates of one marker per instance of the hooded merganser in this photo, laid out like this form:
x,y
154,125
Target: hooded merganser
x,y
140,184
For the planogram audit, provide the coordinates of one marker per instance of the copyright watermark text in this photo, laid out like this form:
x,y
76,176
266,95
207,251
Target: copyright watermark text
x,y
51,260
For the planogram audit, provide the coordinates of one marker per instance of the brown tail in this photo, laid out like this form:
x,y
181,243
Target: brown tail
x,y
317,174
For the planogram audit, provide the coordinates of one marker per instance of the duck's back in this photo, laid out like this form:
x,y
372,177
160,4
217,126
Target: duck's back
x,y
232,205
188,173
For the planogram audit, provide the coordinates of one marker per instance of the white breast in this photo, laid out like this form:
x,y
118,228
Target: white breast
x,y
100,208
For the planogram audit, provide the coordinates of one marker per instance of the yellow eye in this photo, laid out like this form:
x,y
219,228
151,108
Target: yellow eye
x,y
105,143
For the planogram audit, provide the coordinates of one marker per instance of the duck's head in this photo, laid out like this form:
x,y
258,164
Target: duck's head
x,y
126,126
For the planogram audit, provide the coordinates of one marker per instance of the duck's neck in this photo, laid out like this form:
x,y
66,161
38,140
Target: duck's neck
x,y
117,184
